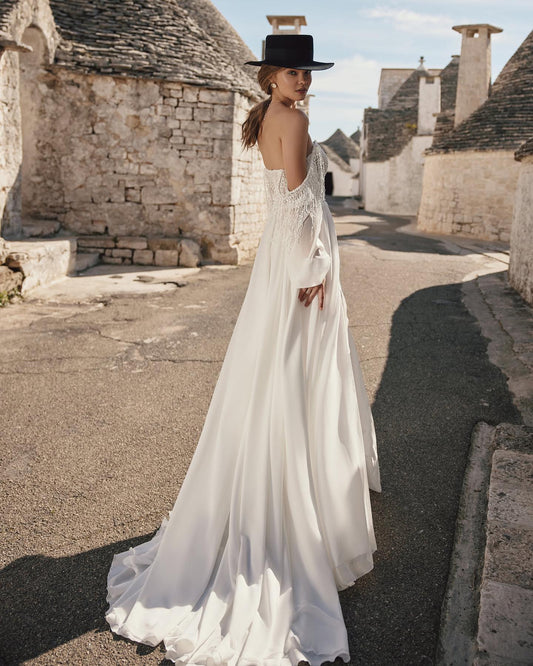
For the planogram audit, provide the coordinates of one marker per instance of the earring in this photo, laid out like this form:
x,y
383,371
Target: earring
x,y
273,85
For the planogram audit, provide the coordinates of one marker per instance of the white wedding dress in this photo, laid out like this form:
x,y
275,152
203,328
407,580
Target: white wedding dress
x,y
274,513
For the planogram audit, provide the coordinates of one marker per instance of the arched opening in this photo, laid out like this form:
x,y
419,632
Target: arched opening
x,y
329,183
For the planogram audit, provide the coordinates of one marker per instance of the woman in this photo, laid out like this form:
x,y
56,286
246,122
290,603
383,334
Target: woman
x,y
274,514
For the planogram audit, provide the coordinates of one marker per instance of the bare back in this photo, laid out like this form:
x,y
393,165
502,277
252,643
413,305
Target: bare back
x,y
276,149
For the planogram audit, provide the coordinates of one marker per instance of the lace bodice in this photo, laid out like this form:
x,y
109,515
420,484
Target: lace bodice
x,y
288,210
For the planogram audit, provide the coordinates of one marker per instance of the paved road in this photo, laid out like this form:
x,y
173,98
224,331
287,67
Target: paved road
x,y
102,404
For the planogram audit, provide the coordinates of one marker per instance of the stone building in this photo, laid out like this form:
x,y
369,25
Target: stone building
x,y
396,135
120,126
470,174
521,264
356,138
342,178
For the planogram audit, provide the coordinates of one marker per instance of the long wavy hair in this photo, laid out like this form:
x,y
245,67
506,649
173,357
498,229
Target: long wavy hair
x,y
252,125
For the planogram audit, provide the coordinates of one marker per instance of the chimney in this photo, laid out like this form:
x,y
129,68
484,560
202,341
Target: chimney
x,y
286,25
428,100
474,68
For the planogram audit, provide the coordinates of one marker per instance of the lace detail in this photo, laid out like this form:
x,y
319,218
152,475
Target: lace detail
x,y
288,210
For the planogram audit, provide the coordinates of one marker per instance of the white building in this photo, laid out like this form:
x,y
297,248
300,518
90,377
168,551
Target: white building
x,y
471,175
396,135
342,178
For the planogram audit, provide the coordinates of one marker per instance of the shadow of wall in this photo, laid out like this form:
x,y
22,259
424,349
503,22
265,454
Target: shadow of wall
x,y
437,384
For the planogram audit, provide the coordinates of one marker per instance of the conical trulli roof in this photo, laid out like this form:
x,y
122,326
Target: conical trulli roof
x,y
342,145
179,40
505,119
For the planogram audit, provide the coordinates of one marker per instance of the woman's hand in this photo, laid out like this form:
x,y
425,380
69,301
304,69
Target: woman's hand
x,y
307,294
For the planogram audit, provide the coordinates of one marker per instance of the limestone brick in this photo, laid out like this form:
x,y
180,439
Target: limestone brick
x,y
133,243
204,114
163,244
182,113
215,96
143,257
105,259
121,252
96,241
189,255
190,94
166,257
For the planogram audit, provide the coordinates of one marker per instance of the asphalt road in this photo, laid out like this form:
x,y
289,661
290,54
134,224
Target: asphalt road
x,y
102,403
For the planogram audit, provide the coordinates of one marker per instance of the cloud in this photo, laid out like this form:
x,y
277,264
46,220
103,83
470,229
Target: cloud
x,y
407,20
356,77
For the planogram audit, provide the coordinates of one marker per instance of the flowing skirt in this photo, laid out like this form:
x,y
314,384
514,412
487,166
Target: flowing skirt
x,y
274,514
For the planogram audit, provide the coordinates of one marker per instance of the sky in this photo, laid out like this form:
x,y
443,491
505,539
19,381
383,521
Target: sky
x,y
362,37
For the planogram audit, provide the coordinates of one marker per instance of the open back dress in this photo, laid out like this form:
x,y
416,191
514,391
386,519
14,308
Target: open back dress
x,y
274,516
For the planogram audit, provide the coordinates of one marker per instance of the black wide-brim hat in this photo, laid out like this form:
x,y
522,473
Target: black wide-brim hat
x,y
294,51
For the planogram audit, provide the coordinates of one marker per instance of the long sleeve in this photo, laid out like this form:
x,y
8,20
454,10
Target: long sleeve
x,y
299,218
308,261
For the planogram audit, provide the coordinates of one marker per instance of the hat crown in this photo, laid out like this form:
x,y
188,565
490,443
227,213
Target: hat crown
x,y
289,50
295,51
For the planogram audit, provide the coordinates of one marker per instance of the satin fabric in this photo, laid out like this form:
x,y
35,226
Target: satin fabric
x,y
274,514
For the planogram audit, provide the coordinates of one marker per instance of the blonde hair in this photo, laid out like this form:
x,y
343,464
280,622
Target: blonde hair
x,y
252,125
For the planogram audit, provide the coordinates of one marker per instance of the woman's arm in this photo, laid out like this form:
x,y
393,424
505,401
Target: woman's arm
x,y
294,138
308,256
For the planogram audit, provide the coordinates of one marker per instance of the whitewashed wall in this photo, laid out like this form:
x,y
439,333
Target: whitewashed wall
x,y
10,144
395,186
521,264
469,193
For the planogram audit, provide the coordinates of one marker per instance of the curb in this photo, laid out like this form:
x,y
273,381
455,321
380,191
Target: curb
x,y
486,618
459,618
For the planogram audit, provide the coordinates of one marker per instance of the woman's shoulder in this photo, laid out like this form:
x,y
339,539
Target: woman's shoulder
x,y
294,117
283,115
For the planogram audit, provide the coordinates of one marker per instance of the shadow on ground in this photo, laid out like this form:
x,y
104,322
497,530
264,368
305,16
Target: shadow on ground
x,y
48,601
437,384
384,232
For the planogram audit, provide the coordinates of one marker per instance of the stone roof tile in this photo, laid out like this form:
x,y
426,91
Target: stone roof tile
x,y
6,8
179,40
335,158
525,150
448,84
343,146
407,94
505,119
388,132
356,137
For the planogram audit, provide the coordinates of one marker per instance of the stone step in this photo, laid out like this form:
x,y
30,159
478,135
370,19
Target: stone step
x,y
85,260
41,261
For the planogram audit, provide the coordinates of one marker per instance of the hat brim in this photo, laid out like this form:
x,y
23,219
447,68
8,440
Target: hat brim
x,y
313,65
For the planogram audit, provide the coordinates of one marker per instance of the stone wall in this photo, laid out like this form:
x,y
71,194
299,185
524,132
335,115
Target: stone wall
x,y
10,143
521,264
122,156
395,186
247,191
469,193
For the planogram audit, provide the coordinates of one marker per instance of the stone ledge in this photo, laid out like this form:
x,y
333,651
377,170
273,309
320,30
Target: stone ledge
x,y
41,262
505,626
143,250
